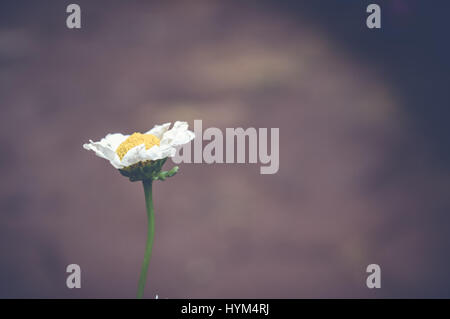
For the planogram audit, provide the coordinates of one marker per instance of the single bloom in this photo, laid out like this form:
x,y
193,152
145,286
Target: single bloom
x,y
140,157
124,151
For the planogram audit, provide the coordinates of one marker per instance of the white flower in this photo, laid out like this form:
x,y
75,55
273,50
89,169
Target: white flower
x,y
158,143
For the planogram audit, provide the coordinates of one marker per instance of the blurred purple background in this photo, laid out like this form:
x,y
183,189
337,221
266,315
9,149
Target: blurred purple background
x,y
364,148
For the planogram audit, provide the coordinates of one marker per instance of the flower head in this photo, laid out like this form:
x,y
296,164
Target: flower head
x,y
124,151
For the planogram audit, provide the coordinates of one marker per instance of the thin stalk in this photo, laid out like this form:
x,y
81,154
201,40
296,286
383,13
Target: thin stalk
x,y
150,234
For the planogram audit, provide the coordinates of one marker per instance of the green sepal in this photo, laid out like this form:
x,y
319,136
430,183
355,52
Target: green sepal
x,y
165,174
148,170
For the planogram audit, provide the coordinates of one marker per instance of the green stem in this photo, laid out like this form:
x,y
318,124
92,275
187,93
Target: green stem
x,y
150,233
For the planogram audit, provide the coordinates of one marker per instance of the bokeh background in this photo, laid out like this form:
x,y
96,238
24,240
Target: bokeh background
x,y
364,148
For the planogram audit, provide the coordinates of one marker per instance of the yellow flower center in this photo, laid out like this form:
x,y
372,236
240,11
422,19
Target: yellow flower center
x,y
134,140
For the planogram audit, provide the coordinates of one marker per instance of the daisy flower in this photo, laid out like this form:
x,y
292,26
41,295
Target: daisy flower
x,y
140,157
125,152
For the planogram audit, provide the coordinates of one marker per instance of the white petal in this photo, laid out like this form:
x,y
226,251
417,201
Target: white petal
x,y
134,155
178,135
104,150
180,125
159,130
100,149
140,154
158,152
114,140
